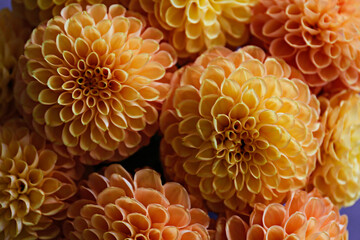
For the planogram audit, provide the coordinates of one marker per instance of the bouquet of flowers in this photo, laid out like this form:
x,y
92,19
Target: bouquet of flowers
x,y
251,109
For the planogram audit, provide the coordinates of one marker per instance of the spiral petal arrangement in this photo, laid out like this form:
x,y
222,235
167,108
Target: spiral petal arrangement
x,y
34,187
37,11
304,216
194,26
239,128
116,207
94,81
321,38
13,34
338,172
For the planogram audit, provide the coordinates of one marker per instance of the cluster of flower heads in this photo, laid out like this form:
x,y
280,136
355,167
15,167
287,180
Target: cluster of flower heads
x,y
93,80
240,128
320,38
36,183
256,102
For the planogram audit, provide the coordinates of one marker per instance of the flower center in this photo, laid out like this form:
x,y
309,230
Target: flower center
x,y
92,81
235,143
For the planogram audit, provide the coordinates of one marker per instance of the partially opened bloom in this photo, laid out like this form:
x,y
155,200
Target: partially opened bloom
x,y
304,216
94,81
13,34
114,207
319,37
337,174
34,185
239,128
194,26
37,11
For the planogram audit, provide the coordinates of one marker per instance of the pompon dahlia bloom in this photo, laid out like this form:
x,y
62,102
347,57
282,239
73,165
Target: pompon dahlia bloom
x,y
94,81
194,26
319,37
239,128
338,172
36,11
34,185
304,216
13,34
116,207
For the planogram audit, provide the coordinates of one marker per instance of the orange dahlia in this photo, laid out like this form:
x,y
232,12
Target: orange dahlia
x,y
94,81
321,38
239,128
36,11
338,172
13,34
304,216
34,187
194,26
116,207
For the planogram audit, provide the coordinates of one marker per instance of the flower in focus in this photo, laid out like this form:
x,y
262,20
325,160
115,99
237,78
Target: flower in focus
x,y
13,34
34,186
239,128
194,26
115,206
304,216
321,38
94,81
37,11
338,173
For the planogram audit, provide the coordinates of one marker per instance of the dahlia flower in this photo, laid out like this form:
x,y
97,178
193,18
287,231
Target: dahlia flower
x,y
304,216
337,174
114,206
194,26
321,38
94,81
13,34
239,128
34,187
36,11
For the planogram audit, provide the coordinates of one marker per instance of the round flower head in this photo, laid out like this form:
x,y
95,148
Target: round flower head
x,y
13,34
194,26
34,185
304,216
36,11
318,37
94,81
116,207
239,128
337,174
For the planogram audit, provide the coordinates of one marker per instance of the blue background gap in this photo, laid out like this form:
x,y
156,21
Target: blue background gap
x,y
352,212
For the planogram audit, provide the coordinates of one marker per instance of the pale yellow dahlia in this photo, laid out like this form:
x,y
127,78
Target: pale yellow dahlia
x,y
37,11
113,206
194,26
94,81
13,34
320,37
34,185
304,216
337,174
239,128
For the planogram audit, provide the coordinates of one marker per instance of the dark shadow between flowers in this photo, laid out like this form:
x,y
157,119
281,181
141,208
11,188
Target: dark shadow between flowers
x,y
147,156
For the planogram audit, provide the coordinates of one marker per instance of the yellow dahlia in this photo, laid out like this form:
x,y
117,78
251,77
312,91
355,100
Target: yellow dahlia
x,y
13,34
239,128
116,207
337,174
37,11
34,187
94,81
194,26
304,216
319,37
